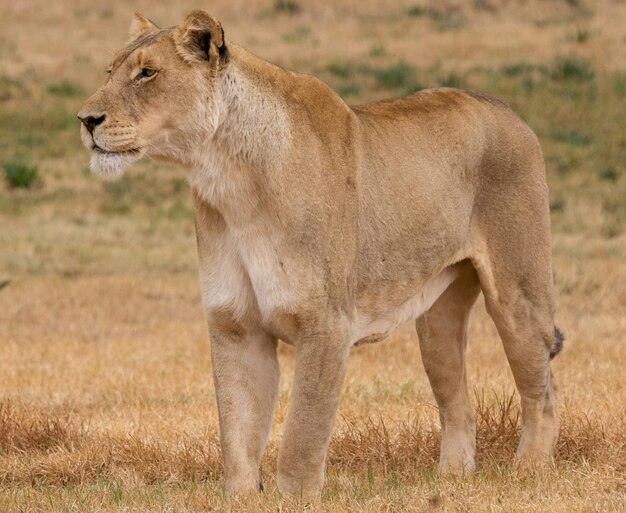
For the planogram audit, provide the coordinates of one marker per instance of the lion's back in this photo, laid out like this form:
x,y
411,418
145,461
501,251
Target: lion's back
x,y
427,161
447,130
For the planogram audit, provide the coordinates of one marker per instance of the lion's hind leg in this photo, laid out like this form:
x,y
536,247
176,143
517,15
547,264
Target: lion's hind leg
x,y
519,299
511,252
442,333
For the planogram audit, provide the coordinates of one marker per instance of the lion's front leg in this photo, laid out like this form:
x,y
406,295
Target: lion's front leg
x,y
245,369
321,361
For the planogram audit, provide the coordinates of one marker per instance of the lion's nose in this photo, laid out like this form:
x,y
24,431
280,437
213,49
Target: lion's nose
x,y
90,121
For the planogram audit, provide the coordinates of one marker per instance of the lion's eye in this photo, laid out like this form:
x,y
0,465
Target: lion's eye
x,y
108,71
145,73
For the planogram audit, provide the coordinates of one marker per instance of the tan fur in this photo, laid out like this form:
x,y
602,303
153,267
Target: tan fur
x,y
327,226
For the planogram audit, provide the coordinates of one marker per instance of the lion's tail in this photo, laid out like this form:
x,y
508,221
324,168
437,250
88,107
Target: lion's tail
x,y
559,338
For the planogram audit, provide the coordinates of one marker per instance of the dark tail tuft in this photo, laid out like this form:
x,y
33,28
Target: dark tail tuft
x,y
559,338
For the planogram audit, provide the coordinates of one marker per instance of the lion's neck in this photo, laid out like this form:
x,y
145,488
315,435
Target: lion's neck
x,y
249,138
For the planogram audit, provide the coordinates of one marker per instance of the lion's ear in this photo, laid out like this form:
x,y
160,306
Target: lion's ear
x,y
140,25
199,38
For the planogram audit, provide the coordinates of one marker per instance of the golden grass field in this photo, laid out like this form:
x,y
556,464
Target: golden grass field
x,y
106,397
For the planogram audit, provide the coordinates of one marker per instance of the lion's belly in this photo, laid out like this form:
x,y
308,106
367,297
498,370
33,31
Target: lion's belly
x,y
245,274
376,318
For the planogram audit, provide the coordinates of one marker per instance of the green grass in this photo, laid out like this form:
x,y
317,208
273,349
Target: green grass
x,y
360,78
572,137
339,69
417,11
29,139
20,175
180,211
582,35
10,87
608,174
117,198
452,79
444,18
52,121
449,20
562,69
557,205
572,68
521,68
349,90
178,185
287,6
65,88
396,76
377,51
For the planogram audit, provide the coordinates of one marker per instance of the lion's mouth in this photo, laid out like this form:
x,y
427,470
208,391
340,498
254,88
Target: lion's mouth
x,y
102,151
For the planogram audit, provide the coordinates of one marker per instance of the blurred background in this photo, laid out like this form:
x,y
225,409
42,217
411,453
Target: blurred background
x,y
559,63
100,317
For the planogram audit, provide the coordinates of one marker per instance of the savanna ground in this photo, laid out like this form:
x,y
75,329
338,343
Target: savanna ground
x,y
106,398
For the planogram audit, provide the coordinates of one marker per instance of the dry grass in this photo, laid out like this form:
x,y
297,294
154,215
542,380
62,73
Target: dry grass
x,y
63,452
107,400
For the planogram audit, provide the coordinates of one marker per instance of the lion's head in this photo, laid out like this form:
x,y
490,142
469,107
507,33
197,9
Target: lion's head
x,y
161,86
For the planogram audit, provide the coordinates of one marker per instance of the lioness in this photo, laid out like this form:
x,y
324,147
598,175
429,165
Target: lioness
x,y
327,226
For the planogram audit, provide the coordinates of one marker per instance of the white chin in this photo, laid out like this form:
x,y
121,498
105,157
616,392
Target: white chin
x,y
111,166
